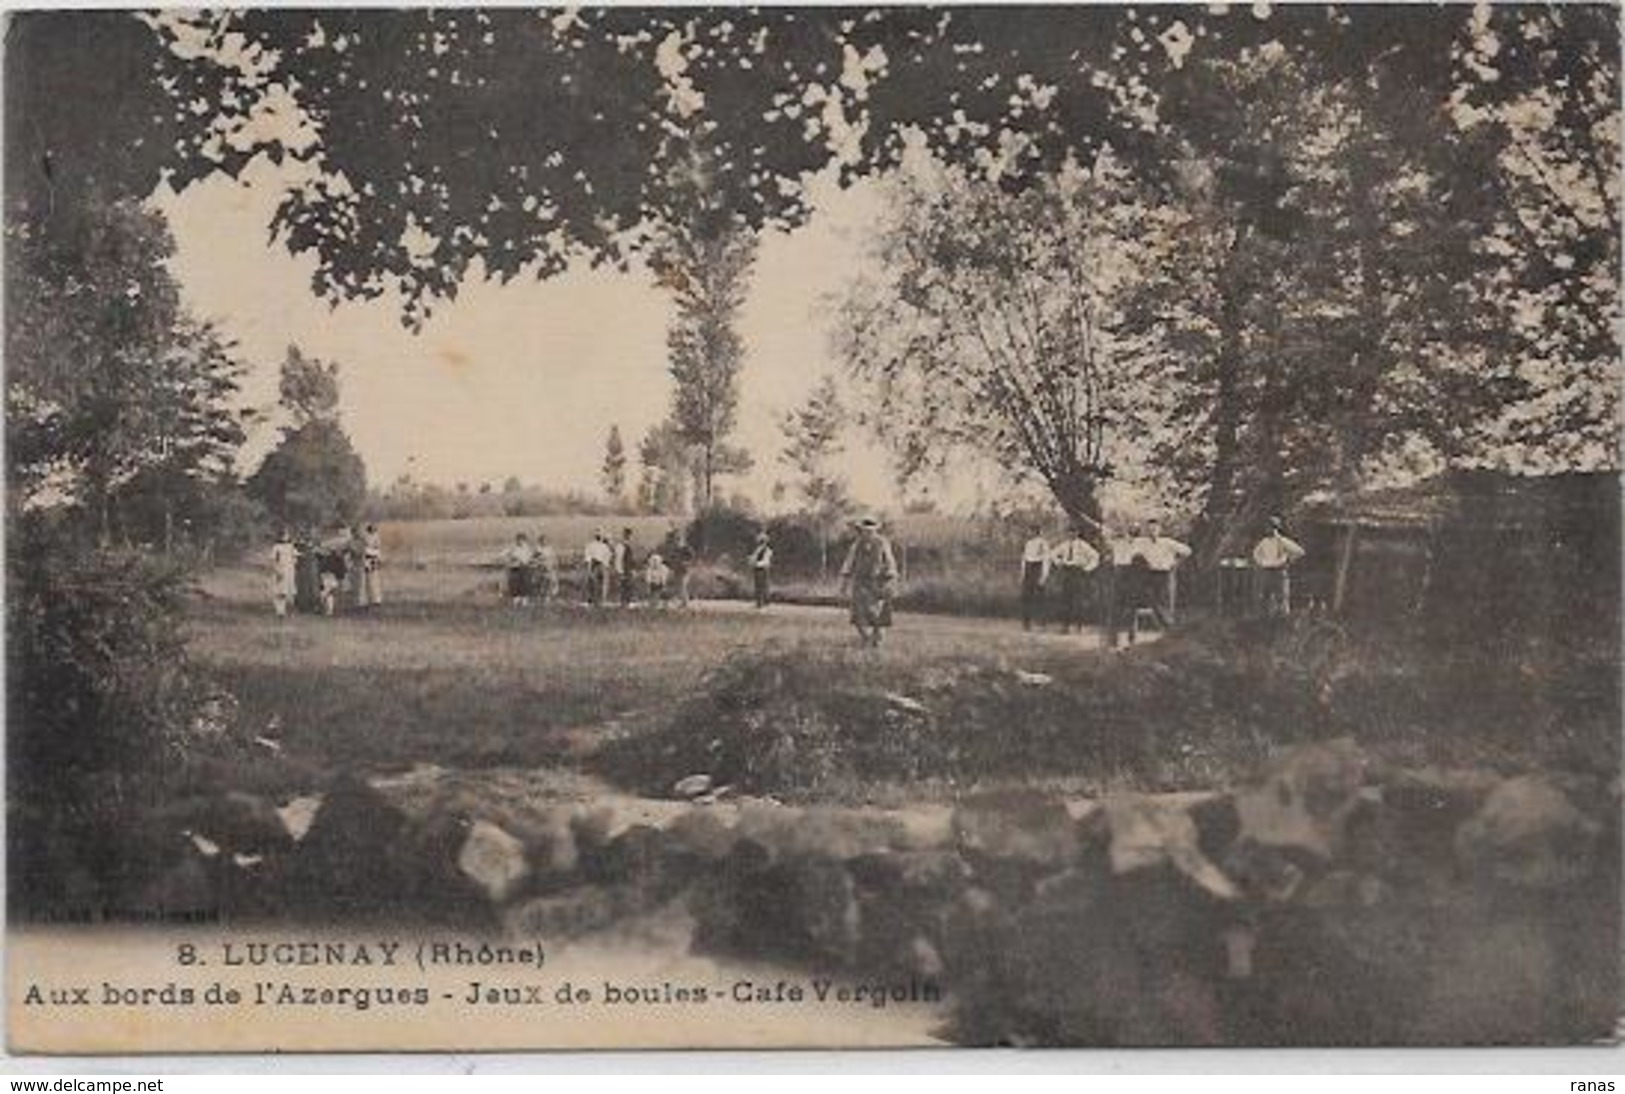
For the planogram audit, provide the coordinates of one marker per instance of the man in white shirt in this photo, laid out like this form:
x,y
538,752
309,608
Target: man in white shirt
x,y
1273,558
597,558
372,564
761,566
1162,555
1073,559
1034,575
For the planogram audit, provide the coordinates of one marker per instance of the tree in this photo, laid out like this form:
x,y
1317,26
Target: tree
x,y
109,381
990,323
190,484
309,388
614,469
665,470
1537,98
314,478
812,434
705,261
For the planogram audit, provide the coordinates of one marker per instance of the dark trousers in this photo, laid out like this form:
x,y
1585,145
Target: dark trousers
x,y
626,587
1032,592
760,575
1073,583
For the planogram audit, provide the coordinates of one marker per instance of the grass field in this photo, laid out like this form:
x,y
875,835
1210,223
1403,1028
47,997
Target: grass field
x,y
475,540
447,674
781,702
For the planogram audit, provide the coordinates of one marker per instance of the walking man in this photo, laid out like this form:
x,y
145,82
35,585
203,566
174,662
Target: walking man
x,y
1034,574
761,565
870,575
1273,557
1073,560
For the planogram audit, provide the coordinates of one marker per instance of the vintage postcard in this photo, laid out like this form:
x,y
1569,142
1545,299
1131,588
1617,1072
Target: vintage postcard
x,y
869,526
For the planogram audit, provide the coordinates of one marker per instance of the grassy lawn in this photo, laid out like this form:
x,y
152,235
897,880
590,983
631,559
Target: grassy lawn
x,y
782,703
447,674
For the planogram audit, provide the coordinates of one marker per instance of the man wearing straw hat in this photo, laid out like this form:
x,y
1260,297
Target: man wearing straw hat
x,y
761,567
870,572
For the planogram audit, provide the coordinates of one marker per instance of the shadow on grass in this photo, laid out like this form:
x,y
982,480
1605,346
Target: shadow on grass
x,y
386,719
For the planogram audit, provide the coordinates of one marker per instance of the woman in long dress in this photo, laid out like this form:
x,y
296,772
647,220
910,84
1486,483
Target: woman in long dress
x,y
870,571
284,573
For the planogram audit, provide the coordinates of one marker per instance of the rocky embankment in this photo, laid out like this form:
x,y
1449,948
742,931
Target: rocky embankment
x,y
1330,902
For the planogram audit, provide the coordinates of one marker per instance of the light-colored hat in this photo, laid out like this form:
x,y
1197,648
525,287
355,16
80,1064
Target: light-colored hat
x,y
761,537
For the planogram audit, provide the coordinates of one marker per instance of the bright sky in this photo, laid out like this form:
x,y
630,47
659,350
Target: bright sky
x,y
519,380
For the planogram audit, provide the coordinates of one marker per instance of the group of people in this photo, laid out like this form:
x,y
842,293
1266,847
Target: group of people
x,y
613,573
323,575
612,570
1142,575
1059,579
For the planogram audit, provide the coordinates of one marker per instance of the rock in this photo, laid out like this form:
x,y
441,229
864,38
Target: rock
x,y
592,829
904,703
366,860
633,856
904,900
691,786
550,845
802,908
493,860
1020,825
206,847
1146,833
1217,824
1528,834
839,833
702,834
1034,679
235,820
298,815
1421,810
1304,800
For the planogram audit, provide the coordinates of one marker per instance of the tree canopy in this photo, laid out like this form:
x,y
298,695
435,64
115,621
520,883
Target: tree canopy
x,y
437,142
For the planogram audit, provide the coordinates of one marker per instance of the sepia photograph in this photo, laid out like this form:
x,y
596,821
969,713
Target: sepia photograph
x,y
1084,526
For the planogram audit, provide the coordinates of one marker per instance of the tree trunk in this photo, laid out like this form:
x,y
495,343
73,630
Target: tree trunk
x,y
1214,523
1077,493
1368,363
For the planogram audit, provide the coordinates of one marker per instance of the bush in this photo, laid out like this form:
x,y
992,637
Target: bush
x,y
723,534
1188,712
100,705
